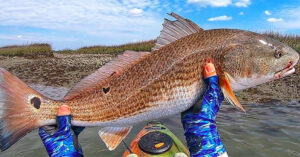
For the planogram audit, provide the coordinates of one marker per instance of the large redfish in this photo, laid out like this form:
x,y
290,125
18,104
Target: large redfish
x,y
141,86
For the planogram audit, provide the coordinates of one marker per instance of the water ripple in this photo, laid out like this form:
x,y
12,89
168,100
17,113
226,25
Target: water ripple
x,y
267,130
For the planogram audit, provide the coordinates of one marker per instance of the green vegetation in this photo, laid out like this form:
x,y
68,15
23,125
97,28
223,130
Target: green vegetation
x,y
65,51
34,50
30,51
291,40
138,46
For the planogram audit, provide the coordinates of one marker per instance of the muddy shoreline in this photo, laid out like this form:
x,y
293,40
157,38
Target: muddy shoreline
x,y
65,70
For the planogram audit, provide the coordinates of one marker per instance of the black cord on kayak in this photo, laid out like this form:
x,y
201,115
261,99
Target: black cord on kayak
x,y
126,146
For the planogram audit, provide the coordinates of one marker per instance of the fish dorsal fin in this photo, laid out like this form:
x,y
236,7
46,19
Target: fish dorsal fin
x,y
106,73
173,30
228,92
113,136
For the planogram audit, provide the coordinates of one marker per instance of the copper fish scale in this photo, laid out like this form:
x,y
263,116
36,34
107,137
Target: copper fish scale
x,y
151,80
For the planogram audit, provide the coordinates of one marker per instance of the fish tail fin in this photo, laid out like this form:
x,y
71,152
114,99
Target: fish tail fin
x,y
228,92
19,105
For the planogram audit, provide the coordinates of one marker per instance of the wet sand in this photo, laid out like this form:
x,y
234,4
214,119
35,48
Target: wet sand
x,y
62,70
65,70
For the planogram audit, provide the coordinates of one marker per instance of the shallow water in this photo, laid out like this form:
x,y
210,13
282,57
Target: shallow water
x,y
267,130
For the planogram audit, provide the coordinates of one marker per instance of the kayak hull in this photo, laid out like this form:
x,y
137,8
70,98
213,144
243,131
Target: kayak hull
x,y
176,147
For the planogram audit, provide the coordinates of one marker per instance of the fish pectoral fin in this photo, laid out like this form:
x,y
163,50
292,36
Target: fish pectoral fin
x,y
228,92
113,136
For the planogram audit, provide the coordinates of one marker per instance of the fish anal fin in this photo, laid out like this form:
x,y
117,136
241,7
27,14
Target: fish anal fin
x,y
174,30
225,85
113,136
110,70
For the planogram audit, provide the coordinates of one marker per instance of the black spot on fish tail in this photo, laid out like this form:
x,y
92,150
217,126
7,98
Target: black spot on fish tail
x,y
36,102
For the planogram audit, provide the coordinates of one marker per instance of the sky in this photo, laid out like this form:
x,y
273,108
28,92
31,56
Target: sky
x,y
71,24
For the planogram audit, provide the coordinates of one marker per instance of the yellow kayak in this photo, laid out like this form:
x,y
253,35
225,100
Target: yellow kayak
x,y
156,140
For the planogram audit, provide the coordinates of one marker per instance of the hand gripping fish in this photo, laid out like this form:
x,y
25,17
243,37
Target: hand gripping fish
x,y
141,86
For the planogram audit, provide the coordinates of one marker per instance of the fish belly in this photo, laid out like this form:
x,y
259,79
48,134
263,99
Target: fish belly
x,y
183,97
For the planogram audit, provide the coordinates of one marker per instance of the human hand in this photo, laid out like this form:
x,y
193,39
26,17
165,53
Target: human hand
x,y
200,124
209,70
213,97
62,140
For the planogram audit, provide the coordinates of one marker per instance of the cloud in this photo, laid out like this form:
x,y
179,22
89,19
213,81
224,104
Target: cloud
x,y
291,18
136,12
242,3
220,18
267,12
274,19
241,13
19,36
114,21
212,3
220,3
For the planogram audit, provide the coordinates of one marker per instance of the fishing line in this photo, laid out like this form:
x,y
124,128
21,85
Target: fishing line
x,y
126,146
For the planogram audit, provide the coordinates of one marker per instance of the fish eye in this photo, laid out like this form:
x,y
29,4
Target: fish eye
x,y
278,54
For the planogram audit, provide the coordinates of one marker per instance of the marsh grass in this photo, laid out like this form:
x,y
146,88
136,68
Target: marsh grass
x,y
30,51
138,46
34,50
292,40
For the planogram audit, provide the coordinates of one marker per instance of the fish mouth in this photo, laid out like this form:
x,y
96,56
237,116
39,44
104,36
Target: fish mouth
x,y
289,69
